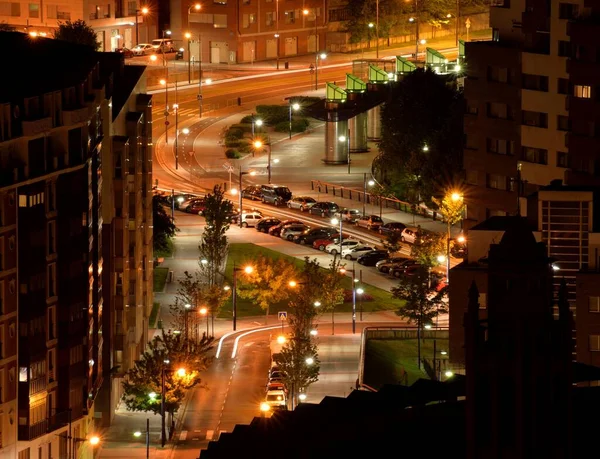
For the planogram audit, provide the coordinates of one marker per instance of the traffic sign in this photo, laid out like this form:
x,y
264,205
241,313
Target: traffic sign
x,y
468,23
166,112
166,122
199,97
228,167
282,315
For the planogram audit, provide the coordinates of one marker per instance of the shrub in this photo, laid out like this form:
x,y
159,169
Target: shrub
x,y
363,297
231,153
234,133
273,114
245,147
246,119
245,128
298,125
232,143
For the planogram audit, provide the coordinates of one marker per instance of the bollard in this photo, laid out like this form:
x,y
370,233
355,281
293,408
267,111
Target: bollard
x,y
239,101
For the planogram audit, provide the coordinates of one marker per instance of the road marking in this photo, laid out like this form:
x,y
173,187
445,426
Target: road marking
x,y
183,435
209,434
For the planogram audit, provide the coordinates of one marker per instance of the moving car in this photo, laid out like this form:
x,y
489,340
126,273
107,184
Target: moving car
x,y
324,208
384,266
391,227
371,222
353,254
265,223
348,215
278,195
276,230
311,235
163,45
372,257
334,249
142,49
126,52
301,202
196,206
252,192
289,231
276,398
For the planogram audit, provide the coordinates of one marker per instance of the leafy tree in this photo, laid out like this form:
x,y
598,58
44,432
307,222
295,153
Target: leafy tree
x,y
164,228
77,32
297,373
392,20
146,375
451,207
392,242
4,27
214,244
423,301
268,283
428,247
422,137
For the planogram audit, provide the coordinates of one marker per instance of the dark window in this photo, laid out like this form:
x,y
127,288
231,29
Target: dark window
x,y
564,48
563,86
498,110
472,107
562,123
498,74
535,155
536,119
498,182
567,10
562,159
535,82
500,146
470,142
37,155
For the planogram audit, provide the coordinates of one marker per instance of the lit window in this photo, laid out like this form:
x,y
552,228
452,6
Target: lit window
x,y
594,342
23,374
594,303
584,92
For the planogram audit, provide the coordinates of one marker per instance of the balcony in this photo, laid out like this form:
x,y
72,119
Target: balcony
x,y
31,432
37,385
75,116
34,127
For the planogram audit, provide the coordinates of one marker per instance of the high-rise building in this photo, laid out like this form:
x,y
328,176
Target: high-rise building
x,y
116,22
529,100
65,111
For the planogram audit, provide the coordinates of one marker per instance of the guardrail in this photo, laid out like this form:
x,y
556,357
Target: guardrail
x,y
373,199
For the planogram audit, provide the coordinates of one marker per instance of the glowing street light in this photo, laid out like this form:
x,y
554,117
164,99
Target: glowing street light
x,y
185,131
281,339
309,360
181,372
94,440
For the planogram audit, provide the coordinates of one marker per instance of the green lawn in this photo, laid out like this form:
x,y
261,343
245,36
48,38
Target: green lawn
x,y
153,315
165,253
389,361
160,278
245,254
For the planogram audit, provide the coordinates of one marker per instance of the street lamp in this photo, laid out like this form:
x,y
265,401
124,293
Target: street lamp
x,y
240,192
258,145
257,122
144,10
296,107
346,139
165,82
306,12
204,311
319,56
188,36
247,270
138,434
354,292
340,221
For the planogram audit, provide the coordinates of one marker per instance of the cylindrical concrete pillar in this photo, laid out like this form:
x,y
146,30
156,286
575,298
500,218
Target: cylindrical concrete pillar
x,y
374,123
336,151
358,133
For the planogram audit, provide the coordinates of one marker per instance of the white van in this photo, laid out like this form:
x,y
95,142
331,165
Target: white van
x,y
163,45
276,398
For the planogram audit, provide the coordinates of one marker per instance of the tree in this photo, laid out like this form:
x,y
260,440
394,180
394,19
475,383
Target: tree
x,y
422,137
268,283
298,373
145,377
164,228
423,299
77,32
214,244
392,242
428,247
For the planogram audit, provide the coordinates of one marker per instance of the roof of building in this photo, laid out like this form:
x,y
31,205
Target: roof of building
x,y
39,65
497,223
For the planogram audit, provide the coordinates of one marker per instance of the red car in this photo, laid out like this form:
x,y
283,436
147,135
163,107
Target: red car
x,y
320,244
125,52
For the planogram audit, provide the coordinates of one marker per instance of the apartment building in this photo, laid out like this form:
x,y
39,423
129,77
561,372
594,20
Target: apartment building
x,y
115,21
59,268
525,94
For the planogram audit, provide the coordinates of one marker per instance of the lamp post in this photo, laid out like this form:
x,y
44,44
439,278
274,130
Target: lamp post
x,y
144,11
258,122
306,12
258,145
321,56
165,82
240,193
295,106
139,434
204,312
354,292
346,139
247,270
377,28
188,36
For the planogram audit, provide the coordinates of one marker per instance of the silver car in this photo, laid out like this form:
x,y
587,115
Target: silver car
x,y
289,231
348,215
301,202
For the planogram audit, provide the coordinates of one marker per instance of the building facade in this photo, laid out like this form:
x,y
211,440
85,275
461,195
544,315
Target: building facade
x,y
116,22
528,99
61,330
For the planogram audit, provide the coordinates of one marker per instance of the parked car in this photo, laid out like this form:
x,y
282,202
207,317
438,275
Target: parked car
x,y
265,223
194,207
409,235
252,192
371,222
276,398
276,230
353,254
372,257
278,195
408,269
324,208
142,49
126,52
301,202
384,266
181,198
276,385
391,227
334,249
250,219
163,45
320,244
348,215
275,375
289,231
311,235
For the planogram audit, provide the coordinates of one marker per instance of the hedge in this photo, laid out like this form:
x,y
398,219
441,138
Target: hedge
x,y
232,154
298,125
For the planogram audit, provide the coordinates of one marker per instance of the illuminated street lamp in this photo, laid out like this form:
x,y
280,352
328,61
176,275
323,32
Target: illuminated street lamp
x,y
144,11
242,173
296,107
248,270
138,434
345,139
